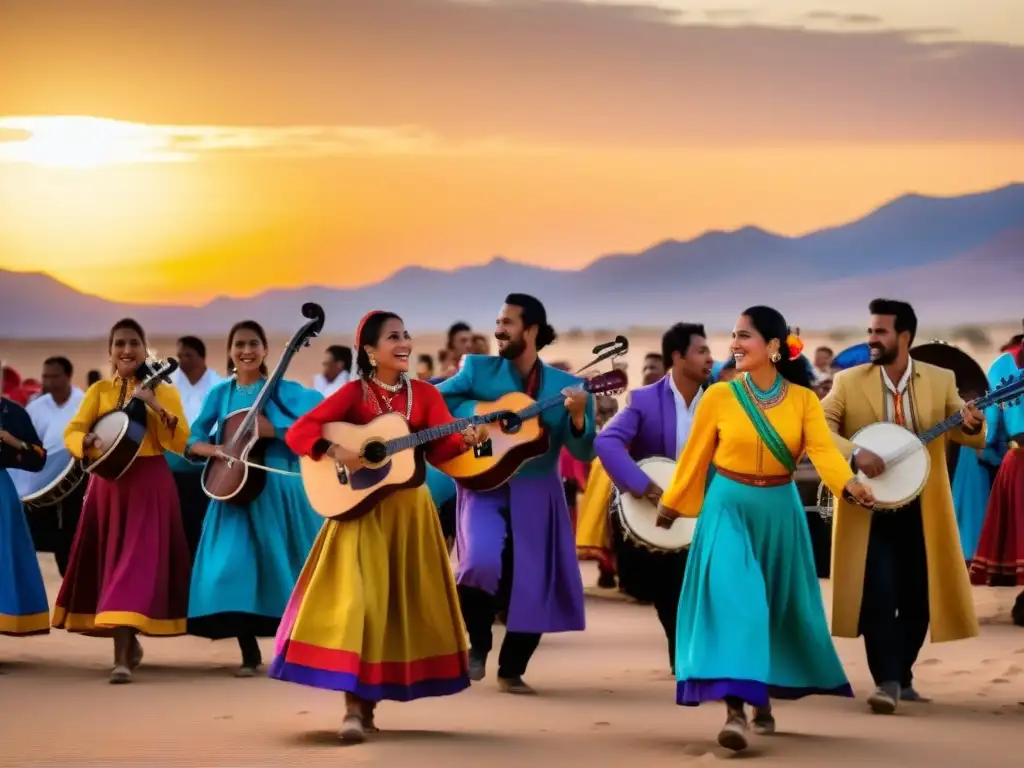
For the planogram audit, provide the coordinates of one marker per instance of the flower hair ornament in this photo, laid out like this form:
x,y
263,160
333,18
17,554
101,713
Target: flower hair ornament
x,y
796,346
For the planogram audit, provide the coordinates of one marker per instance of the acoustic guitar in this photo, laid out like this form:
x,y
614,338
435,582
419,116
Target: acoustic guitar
x,y
521,435
391,461
123,430
228,477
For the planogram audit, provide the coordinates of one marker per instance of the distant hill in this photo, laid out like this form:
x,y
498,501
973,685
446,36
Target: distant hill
x,y
958,257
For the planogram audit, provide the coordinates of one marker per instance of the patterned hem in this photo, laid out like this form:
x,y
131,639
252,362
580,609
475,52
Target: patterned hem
x,y
104,623
335,670
28,624
691,693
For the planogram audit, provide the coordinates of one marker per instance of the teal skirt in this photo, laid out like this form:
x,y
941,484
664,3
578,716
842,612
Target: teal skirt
x,y
751,619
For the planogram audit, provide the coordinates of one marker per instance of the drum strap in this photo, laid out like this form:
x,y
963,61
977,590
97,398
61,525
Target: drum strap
x,y
772,440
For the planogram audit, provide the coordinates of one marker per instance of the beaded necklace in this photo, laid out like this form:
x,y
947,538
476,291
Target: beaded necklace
x,y
375,399
771,397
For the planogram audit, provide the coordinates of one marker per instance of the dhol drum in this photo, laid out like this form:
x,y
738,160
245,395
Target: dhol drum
x,y
639,517
61,475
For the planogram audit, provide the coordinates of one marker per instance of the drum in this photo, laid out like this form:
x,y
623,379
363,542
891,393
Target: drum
x,y
639,516
907,463
61,474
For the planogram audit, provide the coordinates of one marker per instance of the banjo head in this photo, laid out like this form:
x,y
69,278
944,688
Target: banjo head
x,y
903,480
109,428
639,516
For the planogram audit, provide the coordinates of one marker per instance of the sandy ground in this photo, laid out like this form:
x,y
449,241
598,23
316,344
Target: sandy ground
x,y
606,699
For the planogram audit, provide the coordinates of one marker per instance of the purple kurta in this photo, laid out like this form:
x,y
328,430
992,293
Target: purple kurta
x,y
547,591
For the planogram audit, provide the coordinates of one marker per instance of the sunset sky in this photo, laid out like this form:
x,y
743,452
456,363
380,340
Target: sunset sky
x,y
173,152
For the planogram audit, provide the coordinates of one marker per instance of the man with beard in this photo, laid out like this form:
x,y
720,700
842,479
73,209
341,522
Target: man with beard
x,y
515,549
894,572
656,422
50,413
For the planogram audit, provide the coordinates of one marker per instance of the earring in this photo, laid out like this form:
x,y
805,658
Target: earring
x,y
373,361
776,357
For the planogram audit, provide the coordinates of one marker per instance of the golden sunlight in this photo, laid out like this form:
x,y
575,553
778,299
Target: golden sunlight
x,y
80,142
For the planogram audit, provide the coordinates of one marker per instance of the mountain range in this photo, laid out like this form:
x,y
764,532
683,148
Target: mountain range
x,y
958,259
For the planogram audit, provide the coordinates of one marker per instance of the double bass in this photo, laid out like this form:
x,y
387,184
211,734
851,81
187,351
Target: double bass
x,y
229,477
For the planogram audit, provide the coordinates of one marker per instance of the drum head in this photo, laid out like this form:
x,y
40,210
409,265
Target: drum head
x,y
639,517
29,484
970,377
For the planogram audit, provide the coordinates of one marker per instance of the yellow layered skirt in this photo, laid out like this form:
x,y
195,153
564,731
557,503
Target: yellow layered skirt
x,y
375,611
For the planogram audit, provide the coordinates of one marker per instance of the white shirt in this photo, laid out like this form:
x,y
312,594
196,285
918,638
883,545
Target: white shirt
x,y
328,388
684,415
192,395
50,419
899,390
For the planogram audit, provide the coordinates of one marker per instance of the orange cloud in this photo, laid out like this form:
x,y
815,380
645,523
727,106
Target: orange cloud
x,y
562,72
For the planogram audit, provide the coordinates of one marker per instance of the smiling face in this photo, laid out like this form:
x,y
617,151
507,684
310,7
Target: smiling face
x,y
247,352
394,347
127,351
883,341
749,349
513,338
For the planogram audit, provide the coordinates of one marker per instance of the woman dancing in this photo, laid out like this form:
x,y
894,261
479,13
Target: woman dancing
x,y
24,609
250,556
751,620
375,612
128,570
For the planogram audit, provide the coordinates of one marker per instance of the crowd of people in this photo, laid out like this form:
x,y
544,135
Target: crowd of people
x,y
400,603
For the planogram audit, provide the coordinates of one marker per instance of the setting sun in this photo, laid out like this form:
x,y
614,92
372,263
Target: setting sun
x,y
79,142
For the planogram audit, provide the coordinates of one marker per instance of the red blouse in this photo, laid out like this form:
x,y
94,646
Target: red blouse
x,y
349,405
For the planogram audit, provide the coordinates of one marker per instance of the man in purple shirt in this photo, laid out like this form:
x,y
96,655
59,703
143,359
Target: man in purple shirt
x,y
656,422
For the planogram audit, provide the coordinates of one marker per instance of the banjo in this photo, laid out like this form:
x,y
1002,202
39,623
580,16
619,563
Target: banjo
x,y
123,430
907,462
639,517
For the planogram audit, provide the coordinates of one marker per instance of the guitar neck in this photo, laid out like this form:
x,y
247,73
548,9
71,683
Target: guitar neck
x,y
955,420
542,405
430,434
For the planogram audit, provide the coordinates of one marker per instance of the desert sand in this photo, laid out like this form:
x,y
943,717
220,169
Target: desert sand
x,y
26,356
605,698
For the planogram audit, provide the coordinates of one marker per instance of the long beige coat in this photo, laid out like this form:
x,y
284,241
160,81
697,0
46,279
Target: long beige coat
x,y
857,400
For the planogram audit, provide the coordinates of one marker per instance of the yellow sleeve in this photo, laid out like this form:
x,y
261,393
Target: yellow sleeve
x,y
834,406
832,466
953,405
686,493
173,440
84,418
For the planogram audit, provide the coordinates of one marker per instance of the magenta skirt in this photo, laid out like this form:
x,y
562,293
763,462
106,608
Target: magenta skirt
x,y
129,564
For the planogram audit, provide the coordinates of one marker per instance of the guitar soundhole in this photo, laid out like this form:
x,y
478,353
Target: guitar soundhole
x,y
484,450
374,452
510,424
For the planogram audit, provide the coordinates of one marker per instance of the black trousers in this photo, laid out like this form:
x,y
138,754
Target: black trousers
x,y
53,528
193,507
651,577
894,610
479,610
